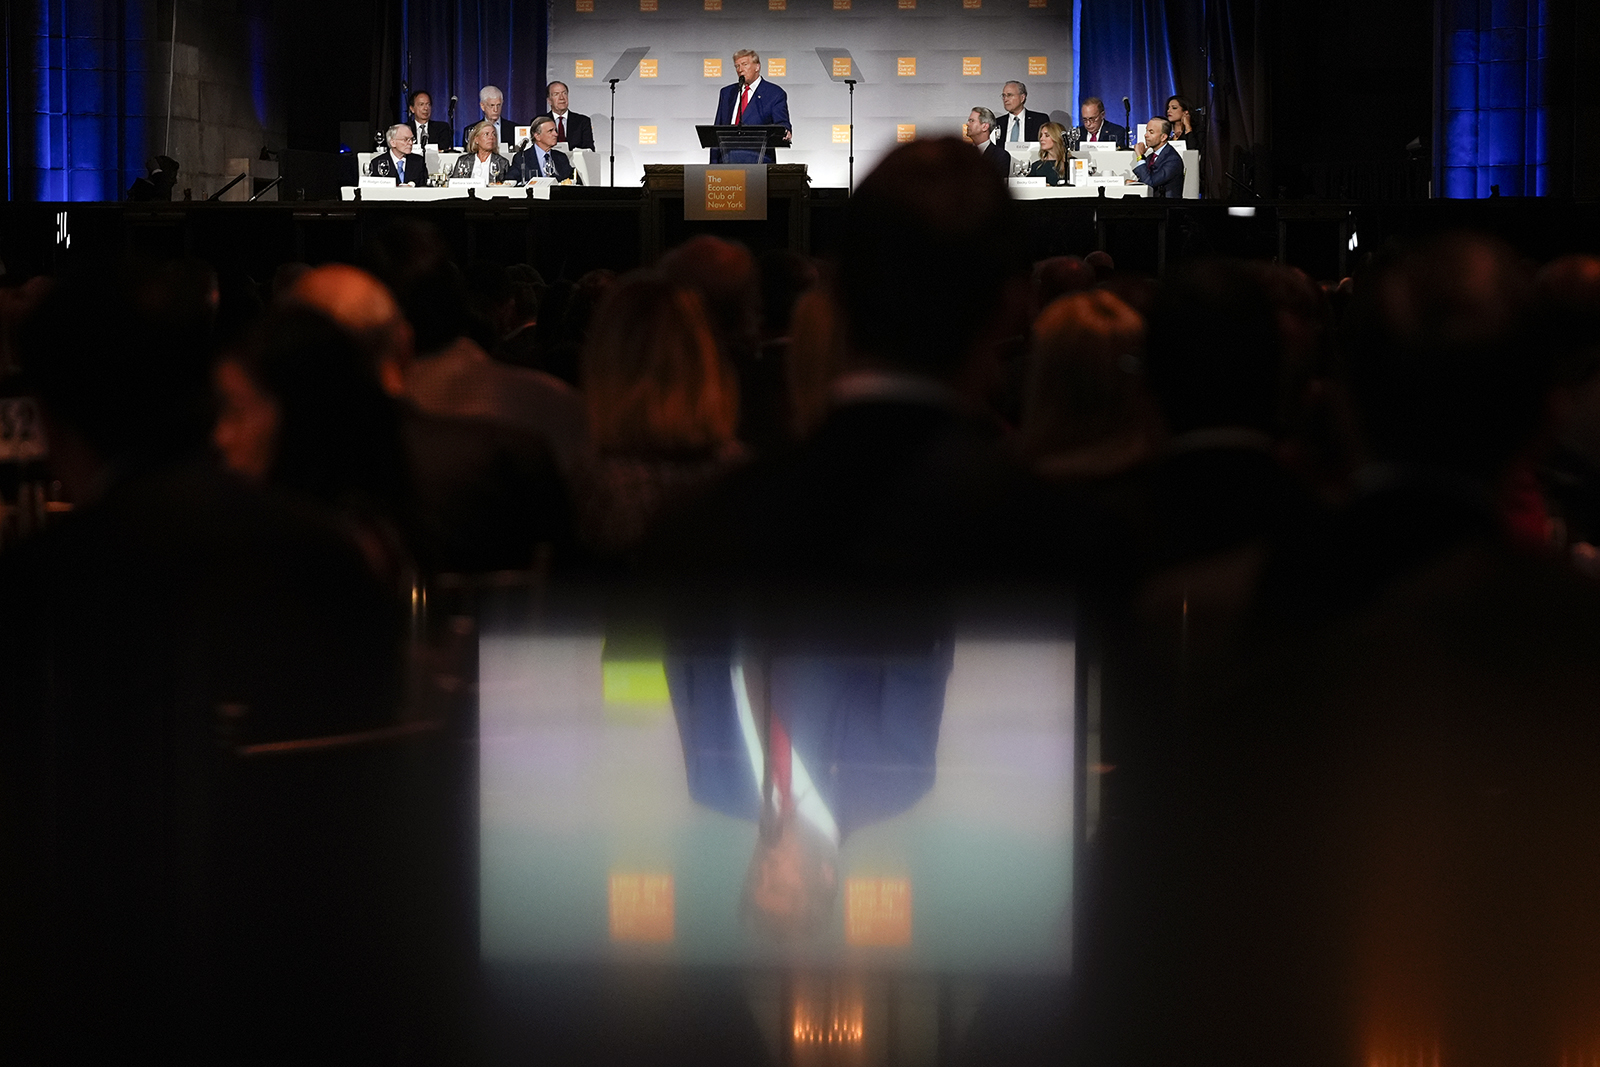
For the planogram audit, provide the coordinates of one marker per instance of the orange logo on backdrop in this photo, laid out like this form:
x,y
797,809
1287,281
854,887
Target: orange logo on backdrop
x,y
641,907
725,190
1038,66
908,66
877,911
713,5
648,5
906,131
585,5
971,66
647,135
971,5
584,68
841,5
648,68
841,134
841,67
713,68
1036,3
776,68
777,5
908,5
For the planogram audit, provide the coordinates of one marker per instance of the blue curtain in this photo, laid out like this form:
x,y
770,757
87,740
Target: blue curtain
x,y
459,46
1124,49
1495,113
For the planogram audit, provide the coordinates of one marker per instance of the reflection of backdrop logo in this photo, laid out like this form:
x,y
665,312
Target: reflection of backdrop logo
x,y
725,190
877,911
584,68
1038,66
713,68
648,68
971,66
642,907
907,66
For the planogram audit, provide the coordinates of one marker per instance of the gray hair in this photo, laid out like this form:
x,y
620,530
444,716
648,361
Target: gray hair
x,y
985,116
538,123
490,92
388,135
1023,89
1166,126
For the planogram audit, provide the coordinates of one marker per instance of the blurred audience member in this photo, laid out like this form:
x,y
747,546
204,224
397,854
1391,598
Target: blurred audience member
x,y
815,361
452,374
1087,413
663,410
1569,293
1058,276
489,497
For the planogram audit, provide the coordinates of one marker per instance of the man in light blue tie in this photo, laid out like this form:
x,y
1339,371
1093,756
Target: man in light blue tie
x,y
1019,124
399,162
541,159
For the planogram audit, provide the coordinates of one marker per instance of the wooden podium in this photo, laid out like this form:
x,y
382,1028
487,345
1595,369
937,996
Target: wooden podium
x,y
787,223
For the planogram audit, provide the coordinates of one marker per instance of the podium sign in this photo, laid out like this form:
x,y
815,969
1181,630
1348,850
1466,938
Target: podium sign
x,y
725,191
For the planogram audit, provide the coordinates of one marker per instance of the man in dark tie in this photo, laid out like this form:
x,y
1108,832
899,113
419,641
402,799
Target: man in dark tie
x,y
400,162
430,133
541,159
1160,167
574,129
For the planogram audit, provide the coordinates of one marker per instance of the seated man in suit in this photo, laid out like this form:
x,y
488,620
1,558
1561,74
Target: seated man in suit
x,y
492,101
751,101
575,129
1095,128
482,160
980,131
400,163
429,132
1160,167
1019,123
541,159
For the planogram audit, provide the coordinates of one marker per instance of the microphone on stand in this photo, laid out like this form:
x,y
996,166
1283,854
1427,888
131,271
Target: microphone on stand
x,y
1127,116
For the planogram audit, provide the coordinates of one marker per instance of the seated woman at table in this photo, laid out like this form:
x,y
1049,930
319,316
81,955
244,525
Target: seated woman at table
x,y
481,162
1052,163
1183,127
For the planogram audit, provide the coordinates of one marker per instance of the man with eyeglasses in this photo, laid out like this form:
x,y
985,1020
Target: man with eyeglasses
x,y
1095,128
400,162
1019,124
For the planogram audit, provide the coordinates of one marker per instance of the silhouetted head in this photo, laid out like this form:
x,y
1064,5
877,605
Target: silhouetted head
x,y
930,245
1444,363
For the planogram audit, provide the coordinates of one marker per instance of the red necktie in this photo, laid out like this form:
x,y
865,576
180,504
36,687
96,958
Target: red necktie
x,y
782,765
561,128
744,98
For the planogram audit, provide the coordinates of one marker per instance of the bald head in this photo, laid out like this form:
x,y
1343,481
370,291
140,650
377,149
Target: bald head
x,y
364,306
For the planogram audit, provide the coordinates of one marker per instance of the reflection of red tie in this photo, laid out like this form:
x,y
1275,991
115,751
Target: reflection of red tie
x,y
561,128
744,98
782,765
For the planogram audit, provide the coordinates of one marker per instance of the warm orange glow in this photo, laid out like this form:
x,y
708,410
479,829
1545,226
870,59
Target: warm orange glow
x,y
877,911
840,1026
641,907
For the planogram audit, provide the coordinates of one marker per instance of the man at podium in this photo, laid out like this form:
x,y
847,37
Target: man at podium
x,y
751,101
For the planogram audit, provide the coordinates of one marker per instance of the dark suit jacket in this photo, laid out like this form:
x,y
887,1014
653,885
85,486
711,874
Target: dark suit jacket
x,y
1031,121
1165,177
1109,131
580,131
866,728
769,106
998,158
525,165
506,131
438,134
416,169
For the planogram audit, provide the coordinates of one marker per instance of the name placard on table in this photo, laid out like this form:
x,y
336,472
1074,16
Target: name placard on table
x,y
724,191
